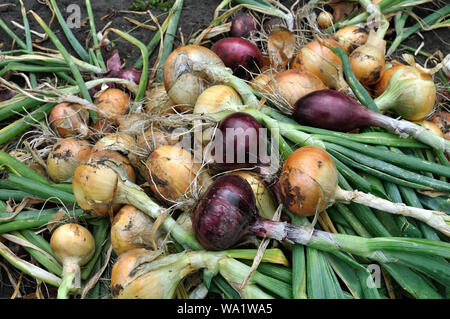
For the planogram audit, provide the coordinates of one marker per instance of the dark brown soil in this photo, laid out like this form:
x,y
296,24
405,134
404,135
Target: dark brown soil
x,y
195,16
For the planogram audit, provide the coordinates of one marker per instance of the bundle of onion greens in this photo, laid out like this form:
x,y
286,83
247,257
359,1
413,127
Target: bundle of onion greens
x,y
285,151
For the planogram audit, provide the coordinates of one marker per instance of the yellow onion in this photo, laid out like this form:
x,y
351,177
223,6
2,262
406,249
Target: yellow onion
x,y
69,119
410,93
265,202
351,37
171,172
112,103
64,158
322,62
294,84
120,142
131,228
73,245
133,123
144,274
98,182
308,181
101,127
381,86
325,19
182,84
217,98
368,61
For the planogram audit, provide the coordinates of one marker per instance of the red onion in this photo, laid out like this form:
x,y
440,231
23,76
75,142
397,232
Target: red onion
x,y
6,94
243,25
239,55
227,212
240,139
333,110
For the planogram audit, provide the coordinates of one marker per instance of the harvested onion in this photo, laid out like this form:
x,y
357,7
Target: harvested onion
x,y
322,62
69,119
73,245
325,19
64,158
112,103
351,37
218,98
131,229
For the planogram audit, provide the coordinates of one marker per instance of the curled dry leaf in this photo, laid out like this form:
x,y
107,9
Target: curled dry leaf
x,y
281,47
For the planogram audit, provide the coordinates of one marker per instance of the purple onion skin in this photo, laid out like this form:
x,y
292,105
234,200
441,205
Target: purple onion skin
x,y
224,213
230,127
242,25
132,75
239,55
332,110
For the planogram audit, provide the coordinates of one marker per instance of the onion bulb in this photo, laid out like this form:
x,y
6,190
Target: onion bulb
x,y
291,85
112,103
368,61
240,55
131,229
325,19
322,62
172,172
260,82
69,119
410,93
243,25
182,84
64,158
73,245
218,98
351,37
308,185
158,101
265,202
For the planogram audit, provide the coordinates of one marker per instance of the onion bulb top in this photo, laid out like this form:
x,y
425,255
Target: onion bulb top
x,y
322,62
69,119
351,37
112,103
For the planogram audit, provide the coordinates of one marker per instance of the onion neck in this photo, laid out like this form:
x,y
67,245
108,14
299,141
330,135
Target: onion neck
x,y
130,193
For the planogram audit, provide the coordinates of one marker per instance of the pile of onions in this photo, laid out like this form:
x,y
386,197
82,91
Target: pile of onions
x,y
112,103
69,119
351,37
64,158
368,61
240,55
308,184
132,229
336,111
318,59
407,91
73,245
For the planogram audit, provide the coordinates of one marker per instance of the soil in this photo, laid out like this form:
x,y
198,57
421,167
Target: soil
x,y
196,15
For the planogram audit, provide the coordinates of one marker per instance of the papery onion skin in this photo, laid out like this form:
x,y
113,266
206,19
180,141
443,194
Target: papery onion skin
x,y
113,103
239,55
69,119
351,37
294,84
331,110
322,62
308,181
243,25
64,158
182,86
170,172
217,98
130,229
223,214
72,244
